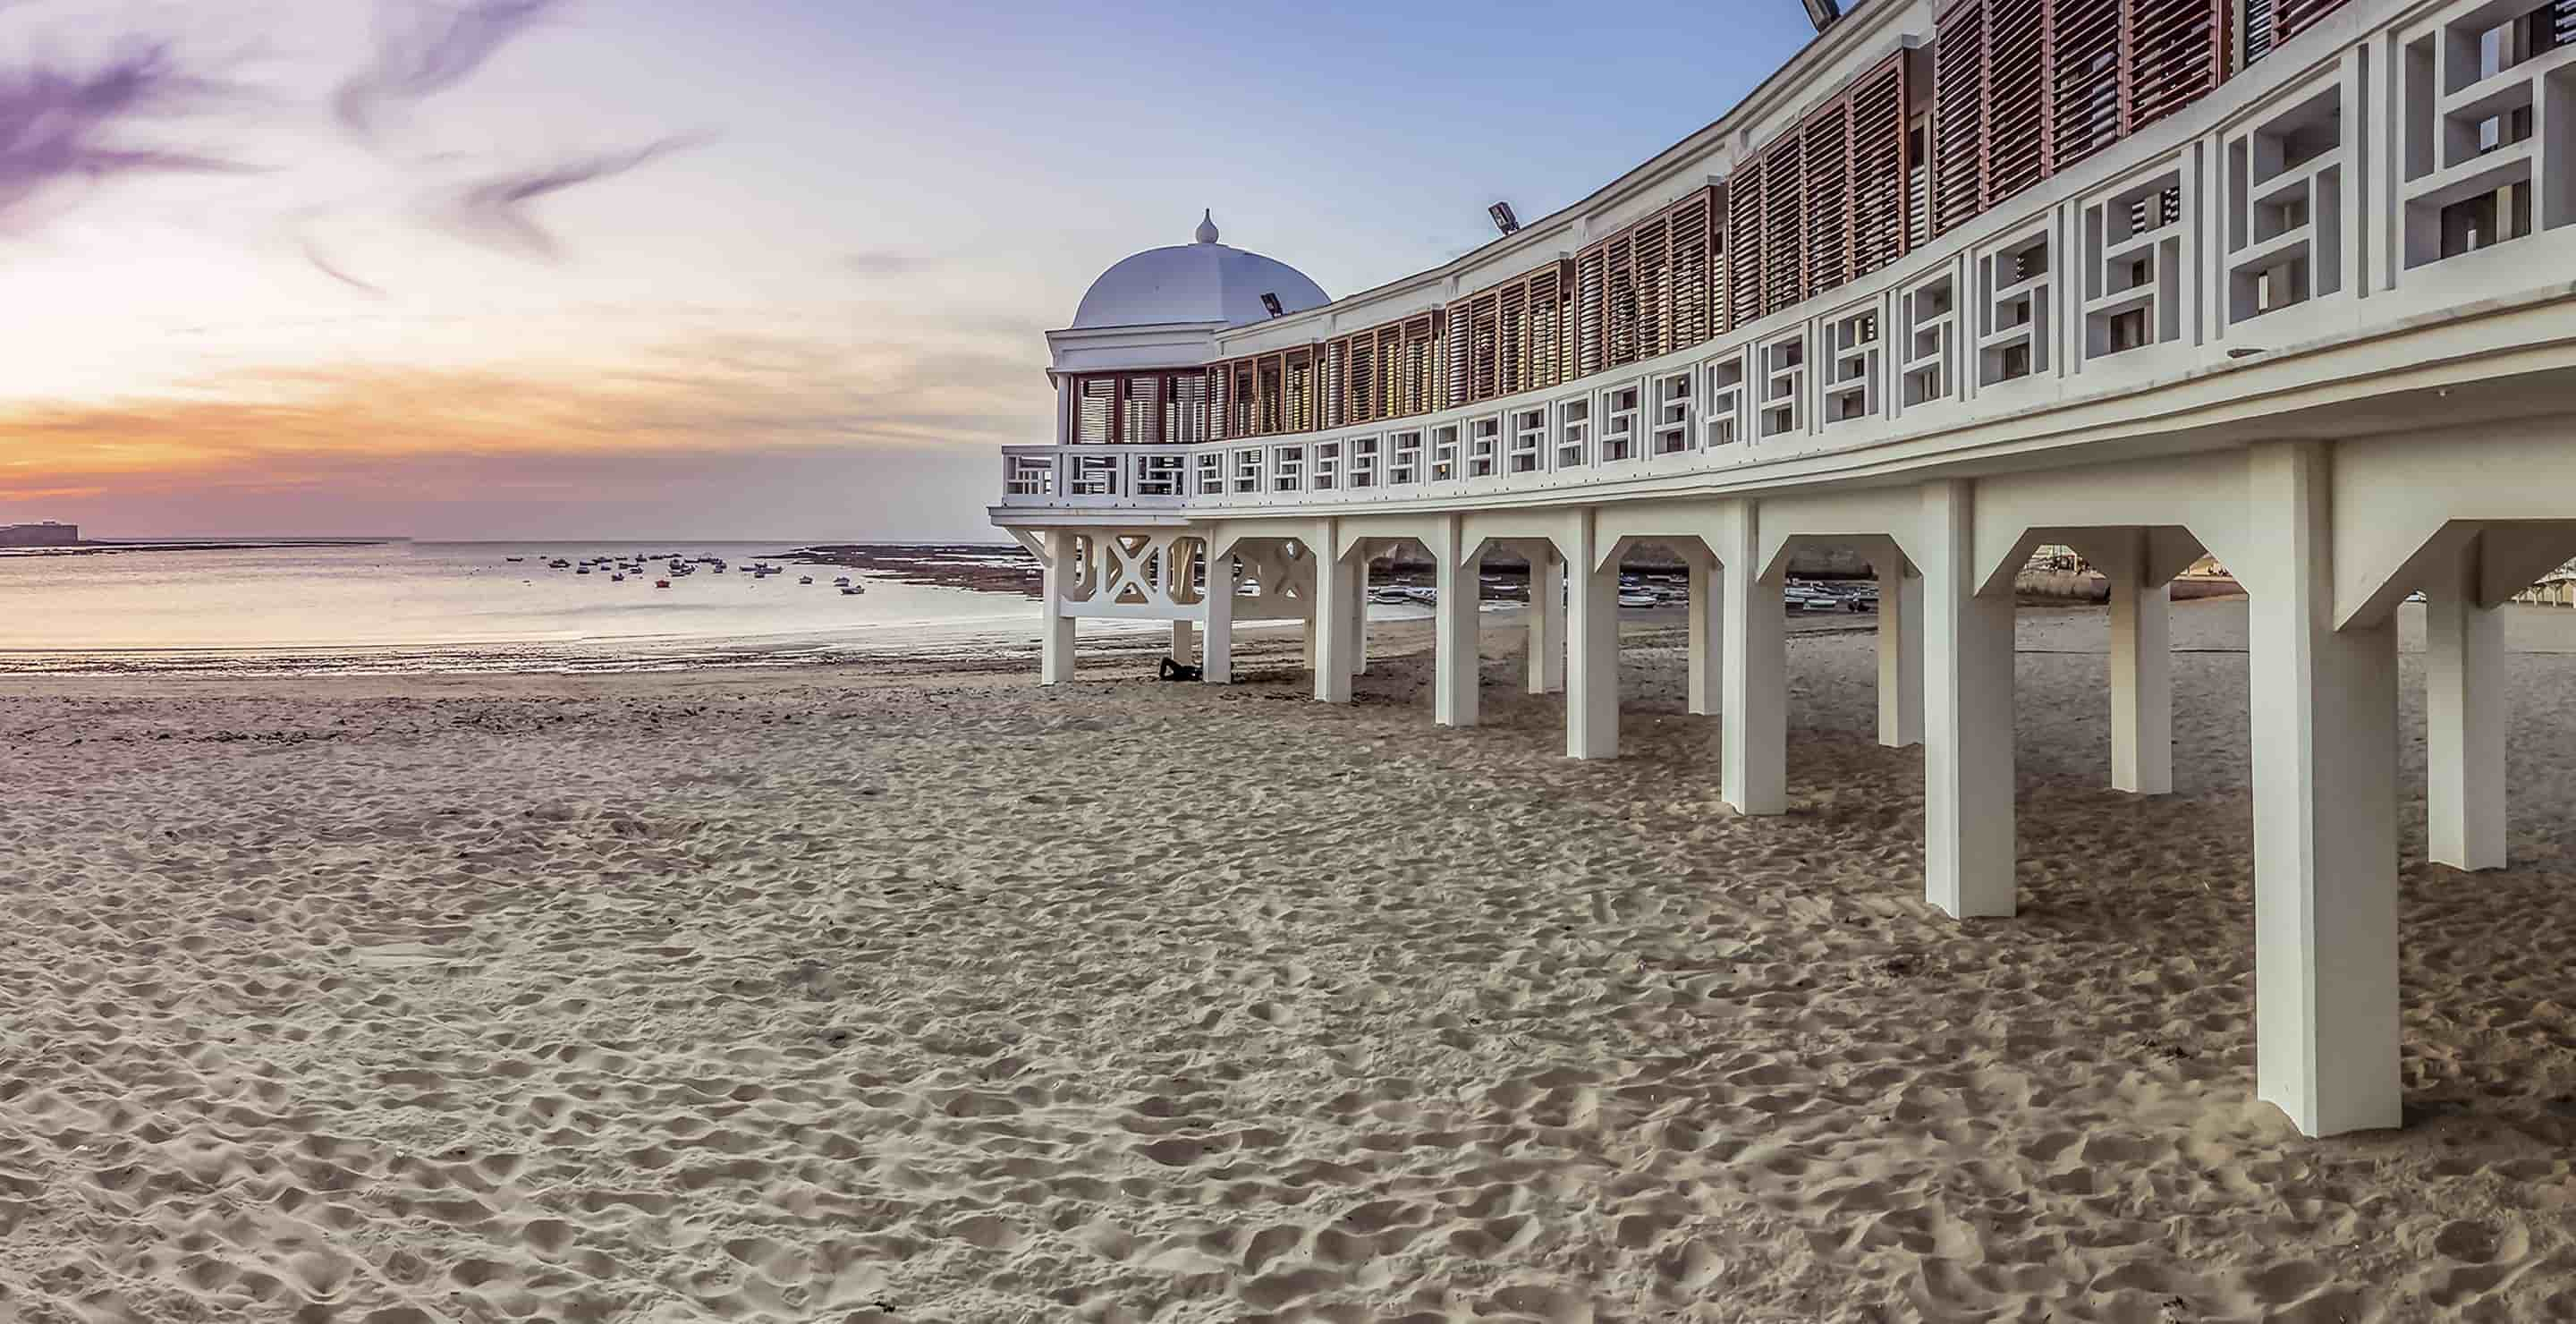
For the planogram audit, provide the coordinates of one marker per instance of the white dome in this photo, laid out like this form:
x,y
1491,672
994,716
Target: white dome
x,y
1197,282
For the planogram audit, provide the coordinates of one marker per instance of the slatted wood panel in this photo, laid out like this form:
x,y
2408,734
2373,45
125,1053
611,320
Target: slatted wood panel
x,y
2019,97
1650,266
1744,257
1455,390
1692,227
2177,53
2088,61
1958,115
1591,324
1619,299
1544,348
1883,226
1511,338
1784,215
1825,152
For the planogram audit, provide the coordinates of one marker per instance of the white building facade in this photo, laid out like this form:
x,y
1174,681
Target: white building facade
x,y
2142,277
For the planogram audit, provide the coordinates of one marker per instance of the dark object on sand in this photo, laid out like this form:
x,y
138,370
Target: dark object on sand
x,y
1181,671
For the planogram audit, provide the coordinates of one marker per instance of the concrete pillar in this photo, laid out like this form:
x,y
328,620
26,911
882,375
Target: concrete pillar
x,y
1184,641
1707,637
2464,721
1754,773
1454,643
1900,654
2141,672
1592,651
1546,638
1219,667
1359,612
1336,582
2325,806
1968,716
1055,631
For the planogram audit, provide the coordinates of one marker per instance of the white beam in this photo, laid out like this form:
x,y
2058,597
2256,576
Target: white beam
x,y
1184,641
1707,635
1219,667
2141,670
1055,637
1592,650
1900,653
1754,775
2465,712
1330,632
2325,807
1546,635
1968,716
1359,611
1454,643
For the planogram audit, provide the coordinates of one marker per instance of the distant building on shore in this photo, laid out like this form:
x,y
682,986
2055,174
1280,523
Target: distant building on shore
x,y
47,534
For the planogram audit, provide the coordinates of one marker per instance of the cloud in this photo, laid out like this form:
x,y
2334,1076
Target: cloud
x,y
494,212
424,47
314,255
880,262
58,126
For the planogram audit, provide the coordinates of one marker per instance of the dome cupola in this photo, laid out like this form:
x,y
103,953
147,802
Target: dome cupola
x,y
1202,281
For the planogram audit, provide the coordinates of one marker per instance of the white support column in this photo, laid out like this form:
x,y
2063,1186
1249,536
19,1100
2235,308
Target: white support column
x,y
2141,673
1455,659
1592,650
1219,668
1330,631
1968,716
1359,611
2465,715
1546,636
1900,654
1707,635
2324,708
1055,632
1755,733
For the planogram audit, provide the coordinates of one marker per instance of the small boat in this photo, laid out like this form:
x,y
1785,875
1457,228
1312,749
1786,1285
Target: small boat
x,y
581,570
804,579
661,583
517,559
617,579
851,590
842,582
1636,598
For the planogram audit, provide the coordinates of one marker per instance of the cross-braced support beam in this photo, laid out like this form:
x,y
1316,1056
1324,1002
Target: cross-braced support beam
x,y
1755,734
1968,715
1592,646
1546,636
1900,653
1458,581
1055,631
2324,707
2141,665
1707,632
2465,712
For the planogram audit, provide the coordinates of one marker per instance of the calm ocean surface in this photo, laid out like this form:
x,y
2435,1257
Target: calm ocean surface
x,y
405,607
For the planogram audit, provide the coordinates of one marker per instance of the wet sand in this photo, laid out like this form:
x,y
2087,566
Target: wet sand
x,y
865,995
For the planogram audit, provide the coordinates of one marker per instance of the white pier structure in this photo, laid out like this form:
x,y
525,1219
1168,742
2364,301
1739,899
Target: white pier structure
x,y
2143,277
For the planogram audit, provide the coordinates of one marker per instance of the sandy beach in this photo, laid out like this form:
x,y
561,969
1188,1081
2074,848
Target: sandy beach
x,y
901,993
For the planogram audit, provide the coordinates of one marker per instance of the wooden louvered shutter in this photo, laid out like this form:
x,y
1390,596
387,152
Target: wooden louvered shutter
x,y
1484,358
2088,59
1591,310
1825,150
2018,97
1459,388
1511,338
1333,377
1650,263
1744,244
1689,317
2177,51
1619,299
1542,355
1958,115
1364,368
1784,215
1882,204
1424,392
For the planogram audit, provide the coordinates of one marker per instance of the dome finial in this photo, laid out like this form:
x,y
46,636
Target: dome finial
x,y
1207,227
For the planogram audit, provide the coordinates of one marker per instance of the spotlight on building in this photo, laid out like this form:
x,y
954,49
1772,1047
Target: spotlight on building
x,y
1271,302
1822,13
1503,218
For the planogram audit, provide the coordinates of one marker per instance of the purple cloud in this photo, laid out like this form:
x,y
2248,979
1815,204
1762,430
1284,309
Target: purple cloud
x,y
425,47
494,212
58,126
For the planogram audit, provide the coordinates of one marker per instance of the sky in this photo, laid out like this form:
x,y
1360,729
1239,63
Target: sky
x,y
669,268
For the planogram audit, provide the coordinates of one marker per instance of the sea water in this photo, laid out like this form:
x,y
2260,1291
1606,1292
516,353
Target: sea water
x,y
423,606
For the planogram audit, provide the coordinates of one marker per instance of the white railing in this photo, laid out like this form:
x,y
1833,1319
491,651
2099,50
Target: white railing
x,y
2266,217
